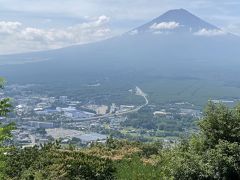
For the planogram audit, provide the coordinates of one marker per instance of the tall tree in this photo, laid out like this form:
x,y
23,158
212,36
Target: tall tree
x,y
5,130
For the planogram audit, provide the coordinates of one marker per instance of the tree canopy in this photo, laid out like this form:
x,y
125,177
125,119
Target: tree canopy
x,y
212,153
5,130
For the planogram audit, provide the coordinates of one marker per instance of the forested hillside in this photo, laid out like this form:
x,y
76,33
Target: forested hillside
x,y
213,153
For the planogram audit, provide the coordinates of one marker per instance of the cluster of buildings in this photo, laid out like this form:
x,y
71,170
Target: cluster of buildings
x,y
182,112
99,109
42,118
72,112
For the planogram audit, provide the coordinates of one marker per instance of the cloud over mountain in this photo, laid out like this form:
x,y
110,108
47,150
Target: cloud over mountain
x,y
209,32
165,26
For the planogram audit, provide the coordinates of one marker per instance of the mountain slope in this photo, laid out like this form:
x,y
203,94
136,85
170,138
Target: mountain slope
x,y
187,21
177,63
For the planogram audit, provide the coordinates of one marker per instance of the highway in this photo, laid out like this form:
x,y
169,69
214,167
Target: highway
x,y
139,92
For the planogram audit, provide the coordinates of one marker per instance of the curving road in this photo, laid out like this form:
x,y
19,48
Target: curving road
x,y
139,92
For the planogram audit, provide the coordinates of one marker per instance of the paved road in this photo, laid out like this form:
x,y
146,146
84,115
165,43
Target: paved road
x,y
139,92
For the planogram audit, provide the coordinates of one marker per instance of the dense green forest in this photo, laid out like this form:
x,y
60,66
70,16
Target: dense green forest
x,y
213,153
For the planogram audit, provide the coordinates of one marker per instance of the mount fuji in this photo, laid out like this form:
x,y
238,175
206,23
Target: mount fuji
x,y
179,20
177,55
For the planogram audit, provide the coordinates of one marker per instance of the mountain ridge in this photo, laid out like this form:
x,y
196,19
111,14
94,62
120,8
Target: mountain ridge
x,y
152,60
183,18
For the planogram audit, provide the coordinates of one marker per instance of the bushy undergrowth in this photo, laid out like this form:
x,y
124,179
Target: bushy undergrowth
x,y
213,153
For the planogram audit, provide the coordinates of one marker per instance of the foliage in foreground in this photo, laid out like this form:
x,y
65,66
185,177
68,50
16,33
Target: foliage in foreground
x,y
5,130
50,162
213,153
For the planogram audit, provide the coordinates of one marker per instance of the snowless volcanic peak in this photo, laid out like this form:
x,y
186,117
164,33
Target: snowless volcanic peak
x,y
178,20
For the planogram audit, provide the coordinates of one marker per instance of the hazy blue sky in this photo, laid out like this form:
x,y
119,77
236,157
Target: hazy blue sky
x,y
27,25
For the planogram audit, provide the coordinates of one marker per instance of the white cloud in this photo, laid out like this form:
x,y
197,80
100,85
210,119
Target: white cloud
x,y
133,13
16,37
102,19
9,27
165,26
209,32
